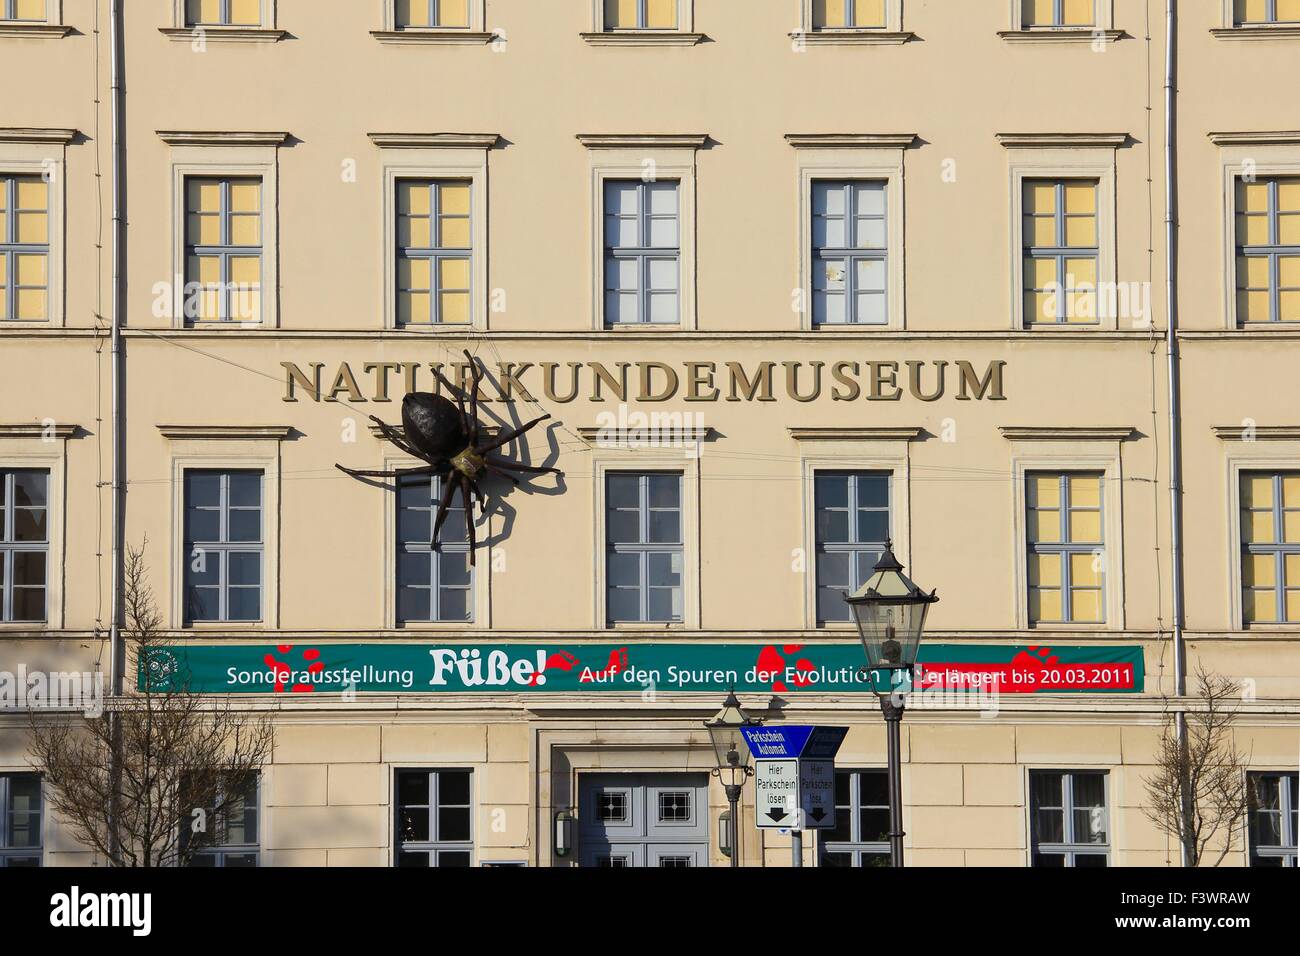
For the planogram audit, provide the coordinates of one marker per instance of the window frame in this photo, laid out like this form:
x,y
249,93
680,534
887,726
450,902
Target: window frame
x,y
684,34
11,250
457,161
224,548
240,451
1101,29
1272,252
219,852
1068,848
628,158
480,573
266,17
643,254
1286,459
49,25
435,555
820,159
617,455
851,252
1059,160
432,846
48,453
9,550
8,853
1059,252
1288,799
1103,457
643,548
1232,21
225,250
853,548
221,157
1278,549
474,33
42,153
857,848
1063,549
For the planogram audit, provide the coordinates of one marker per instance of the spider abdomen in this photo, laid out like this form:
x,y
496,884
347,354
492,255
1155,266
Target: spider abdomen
x,y
432,424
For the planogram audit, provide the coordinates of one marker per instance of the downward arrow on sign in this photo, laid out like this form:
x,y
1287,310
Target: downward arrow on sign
x,y
777,814
819,814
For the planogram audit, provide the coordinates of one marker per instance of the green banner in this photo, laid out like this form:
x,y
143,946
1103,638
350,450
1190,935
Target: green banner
x,y
578,667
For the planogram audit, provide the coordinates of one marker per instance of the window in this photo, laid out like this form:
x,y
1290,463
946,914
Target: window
x,y
644,548
640,14
1058,13
861,834
1066,550
24,248
224,834
850,253
1068,817
229,13
1273,818
433,818
223,546
434,258
20,819
642,252
432,585
1270,547
24,544
1267,11
852,515
223,249
28,10
432,14
1268,250
1061,251
848,14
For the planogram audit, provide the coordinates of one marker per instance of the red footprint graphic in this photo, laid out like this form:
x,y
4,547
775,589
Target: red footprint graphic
x,y
771,661
282,670
560,661
617,664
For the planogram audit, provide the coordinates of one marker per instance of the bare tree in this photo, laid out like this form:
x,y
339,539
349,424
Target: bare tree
x,y
152,782
1199,789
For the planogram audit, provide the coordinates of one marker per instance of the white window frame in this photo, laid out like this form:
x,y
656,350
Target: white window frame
x,y
1094,457
863,158
1056,160
617,455
670,158
212,159
1288,854
43,152
21,451
601,34
394,815
181,29
1285,458
1111,847
52,27
417,157
1263,29
892,30
39,850
1263,156
1103,27
481,573
476,34
893,457
238,453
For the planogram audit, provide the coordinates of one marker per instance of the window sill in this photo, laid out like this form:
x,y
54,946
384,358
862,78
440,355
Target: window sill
x,y
853,37
224,34
35,31
643,38
1064,35
434,37
1260,31
657,328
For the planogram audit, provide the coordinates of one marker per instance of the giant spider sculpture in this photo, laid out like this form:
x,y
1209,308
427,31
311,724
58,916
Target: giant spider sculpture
x,y
449,439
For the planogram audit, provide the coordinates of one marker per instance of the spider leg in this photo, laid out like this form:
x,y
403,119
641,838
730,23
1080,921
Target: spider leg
x,y
388,474
473,400
499,463
507,437
444,506
497,470
460,402
469,517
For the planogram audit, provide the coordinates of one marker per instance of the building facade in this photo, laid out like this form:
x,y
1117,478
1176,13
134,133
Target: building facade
x,y
792,278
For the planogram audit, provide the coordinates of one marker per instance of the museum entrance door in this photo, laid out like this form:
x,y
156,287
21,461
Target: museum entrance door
x,y
642,819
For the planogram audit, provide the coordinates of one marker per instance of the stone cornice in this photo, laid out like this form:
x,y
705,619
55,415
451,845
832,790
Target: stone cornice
x,y
863,37
489,430
433,37
61,137
219,34
1061,140
851,140
849,433
653,38
643,140
1256,138
650,435
1062,35
226,432
435,140
1257,432
35,31
221,138
38,430
1066,433
1258,31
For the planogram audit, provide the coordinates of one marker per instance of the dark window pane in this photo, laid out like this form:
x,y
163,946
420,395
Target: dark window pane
x,y
832,526
875,826
873,491
413,789
203,604
1089,789
202,525
665,491
1049,859
665,527
1049,826
413,569
453,604
30,489
624,605
244,568
413,824
413,860
837,860
661,605
1094,860
203,861
453,788
873,525
623,527
241,860
202,489
843,788
875,859
246,525
29,568
622,491
245,604
245,490
831,491
30,524
453,823
414,604
453,569
454,858
873,787
29,604
1045,790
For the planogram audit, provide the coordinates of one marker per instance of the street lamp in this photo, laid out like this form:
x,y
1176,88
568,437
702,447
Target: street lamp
x,y
890,613
732,753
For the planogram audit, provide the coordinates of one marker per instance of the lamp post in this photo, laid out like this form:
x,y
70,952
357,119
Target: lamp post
x,y
732,753
890,611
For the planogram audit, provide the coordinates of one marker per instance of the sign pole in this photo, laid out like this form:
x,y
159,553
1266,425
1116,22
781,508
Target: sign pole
x,y
796,843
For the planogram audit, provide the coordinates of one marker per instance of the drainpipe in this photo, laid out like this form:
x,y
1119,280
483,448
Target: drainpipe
x,y
1175,416
118,655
